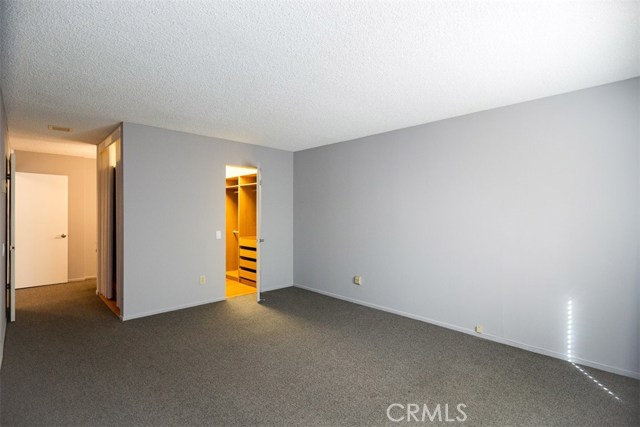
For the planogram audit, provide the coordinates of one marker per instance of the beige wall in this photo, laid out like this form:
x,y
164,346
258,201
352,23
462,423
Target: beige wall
x,y
82,204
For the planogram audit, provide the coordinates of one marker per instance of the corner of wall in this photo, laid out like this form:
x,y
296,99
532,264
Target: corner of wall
x,y
3,221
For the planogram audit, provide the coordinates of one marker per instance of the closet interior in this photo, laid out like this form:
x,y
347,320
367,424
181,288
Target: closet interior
x,y
241,231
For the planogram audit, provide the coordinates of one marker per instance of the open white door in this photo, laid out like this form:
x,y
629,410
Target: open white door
x,y
41,223
12,237
259,231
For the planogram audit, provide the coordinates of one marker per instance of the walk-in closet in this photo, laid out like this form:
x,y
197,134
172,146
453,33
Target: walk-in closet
x,y
241,231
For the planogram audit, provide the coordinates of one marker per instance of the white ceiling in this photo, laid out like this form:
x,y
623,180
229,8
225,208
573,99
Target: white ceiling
x,y
294,75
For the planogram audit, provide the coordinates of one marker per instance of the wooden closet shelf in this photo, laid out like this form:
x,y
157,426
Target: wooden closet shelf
x,y
248,241
236,186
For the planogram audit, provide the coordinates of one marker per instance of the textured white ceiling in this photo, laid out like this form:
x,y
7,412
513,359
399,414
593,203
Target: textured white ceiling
x,y
294,75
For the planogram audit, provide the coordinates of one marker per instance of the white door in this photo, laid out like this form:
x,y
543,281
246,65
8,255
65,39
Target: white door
x,y
259,230
41,221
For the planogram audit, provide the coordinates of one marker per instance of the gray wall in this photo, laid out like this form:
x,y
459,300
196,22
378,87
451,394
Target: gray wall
x,y
83,215
174,201
496,218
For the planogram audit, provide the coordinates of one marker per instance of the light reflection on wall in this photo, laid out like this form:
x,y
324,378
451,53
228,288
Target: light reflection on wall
x,y
571,347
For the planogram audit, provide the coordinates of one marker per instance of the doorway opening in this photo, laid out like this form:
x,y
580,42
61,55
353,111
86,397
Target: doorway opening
x,y
51,217
110,224
242,209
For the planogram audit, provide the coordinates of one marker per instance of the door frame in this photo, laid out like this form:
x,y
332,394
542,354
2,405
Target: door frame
x,y
11,238
259,239
105,257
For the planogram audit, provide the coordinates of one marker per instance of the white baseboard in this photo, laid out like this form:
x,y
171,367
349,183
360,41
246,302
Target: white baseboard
x,y
81,279
490,337
180,307
168,309
277,287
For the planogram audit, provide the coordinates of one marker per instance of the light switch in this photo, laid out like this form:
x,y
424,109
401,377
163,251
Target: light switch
x,y
218,234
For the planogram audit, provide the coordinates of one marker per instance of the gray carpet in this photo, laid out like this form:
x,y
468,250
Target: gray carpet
x,y
297,359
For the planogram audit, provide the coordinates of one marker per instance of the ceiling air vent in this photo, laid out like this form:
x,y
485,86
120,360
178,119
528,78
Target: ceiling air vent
x,y
59,128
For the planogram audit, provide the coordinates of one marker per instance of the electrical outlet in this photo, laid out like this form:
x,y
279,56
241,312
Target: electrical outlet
x,y
479,329
203,280
357,280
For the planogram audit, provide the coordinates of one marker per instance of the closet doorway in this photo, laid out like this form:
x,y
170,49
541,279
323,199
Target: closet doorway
x,y
242,231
